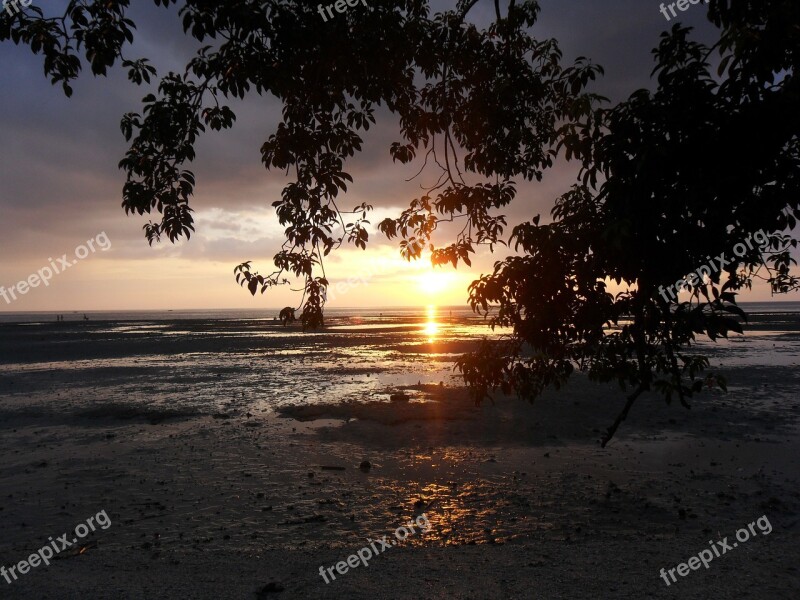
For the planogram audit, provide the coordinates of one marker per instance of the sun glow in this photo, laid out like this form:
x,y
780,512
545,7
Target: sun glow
x,y
434,282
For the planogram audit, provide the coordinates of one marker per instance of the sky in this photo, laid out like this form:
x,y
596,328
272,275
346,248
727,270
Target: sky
x,y
60,187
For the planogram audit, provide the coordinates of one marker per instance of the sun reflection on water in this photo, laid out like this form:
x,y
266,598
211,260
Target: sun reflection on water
x,y
431,328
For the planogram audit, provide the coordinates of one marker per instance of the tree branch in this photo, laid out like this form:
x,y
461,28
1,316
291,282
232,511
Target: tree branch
x,y
468,4
621,417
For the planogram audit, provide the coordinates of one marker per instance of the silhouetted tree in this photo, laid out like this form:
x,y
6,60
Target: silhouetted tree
x,y
668,178
704,170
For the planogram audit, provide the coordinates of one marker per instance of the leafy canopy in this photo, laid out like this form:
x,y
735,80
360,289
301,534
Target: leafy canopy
x,y
669,178
494,96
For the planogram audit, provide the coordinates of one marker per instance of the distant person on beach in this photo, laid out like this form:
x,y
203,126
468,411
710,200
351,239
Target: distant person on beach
x,y
85,318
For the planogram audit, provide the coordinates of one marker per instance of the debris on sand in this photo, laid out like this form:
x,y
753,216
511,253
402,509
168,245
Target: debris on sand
x,y
273,587
315,518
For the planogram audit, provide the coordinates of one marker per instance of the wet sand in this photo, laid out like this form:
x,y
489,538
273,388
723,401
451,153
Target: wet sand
x,y
218,484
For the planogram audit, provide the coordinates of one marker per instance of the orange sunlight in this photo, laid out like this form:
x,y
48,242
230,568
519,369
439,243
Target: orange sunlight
x,y
431,326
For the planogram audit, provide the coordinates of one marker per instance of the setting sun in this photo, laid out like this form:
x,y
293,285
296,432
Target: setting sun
x,y
434,282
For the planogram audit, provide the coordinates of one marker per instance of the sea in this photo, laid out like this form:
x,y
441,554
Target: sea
x,y
205,361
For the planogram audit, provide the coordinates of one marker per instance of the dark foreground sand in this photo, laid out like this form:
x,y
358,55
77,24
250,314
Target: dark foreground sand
x,y
522,501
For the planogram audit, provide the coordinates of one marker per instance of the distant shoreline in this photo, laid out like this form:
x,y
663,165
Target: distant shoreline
x,y
790,306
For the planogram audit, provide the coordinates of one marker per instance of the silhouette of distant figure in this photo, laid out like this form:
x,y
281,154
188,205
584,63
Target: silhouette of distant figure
x,y
85,318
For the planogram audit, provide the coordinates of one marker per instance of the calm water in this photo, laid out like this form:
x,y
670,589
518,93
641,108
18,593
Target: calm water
x,y
209,361
372,314
245,361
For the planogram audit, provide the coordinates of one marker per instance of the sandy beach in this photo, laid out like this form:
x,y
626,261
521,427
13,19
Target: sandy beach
x,y
228,456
